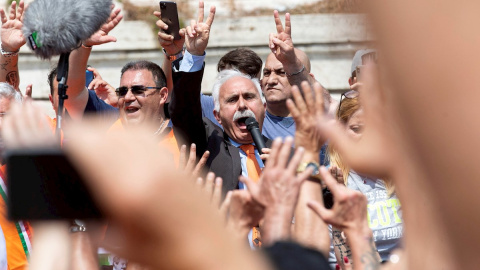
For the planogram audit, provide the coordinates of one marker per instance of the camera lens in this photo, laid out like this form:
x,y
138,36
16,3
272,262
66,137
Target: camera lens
x,y
163,6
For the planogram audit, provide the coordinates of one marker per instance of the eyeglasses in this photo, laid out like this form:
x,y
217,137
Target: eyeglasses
x,y
349,94
136,90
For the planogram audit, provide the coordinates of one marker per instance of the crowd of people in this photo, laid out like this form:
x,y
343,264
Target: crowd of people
x,y
365,182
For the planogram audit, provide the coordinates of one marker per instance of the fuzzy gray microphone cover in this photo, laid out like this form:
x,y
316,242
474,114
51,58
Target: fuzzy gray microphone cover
x,y
53,27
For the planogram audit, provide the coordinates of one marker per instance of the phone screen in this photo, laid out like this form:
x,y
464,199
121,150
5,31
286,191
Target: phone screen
x,y
44,185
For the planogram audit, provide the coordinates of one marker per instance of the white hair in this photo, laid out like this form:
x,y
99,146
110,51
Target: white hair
x,y
7,91
226,75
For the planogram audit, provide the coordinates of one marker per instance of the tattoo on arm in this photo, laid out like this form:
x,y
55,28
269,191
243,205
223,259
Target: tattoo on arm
x,y
12,78
340,244
370,256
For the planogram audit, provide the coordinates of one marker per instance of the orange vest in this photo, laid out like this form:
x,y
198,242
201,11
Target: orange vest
x,y
17,234
168,142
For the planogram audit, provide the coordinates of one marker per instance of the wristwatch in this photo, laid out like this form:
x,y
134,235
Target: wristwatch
x,y
78,226
174,56
316,170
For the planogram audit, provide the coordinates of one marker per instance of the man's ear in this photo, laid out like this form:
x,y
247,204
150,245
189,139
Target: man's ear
x,y
50,98
217,116
311,74
350,81
163,95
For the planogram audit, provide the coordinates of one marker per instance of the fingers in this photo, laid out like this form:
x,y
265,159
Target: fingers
x,y
182,161
299,102
209,183
319,102
193,26
201,163
288,25
28,92
271,45
277,143
321,211
284,153
192,158
13,10
3,16
200,11
21,7
307,93
96,74
252,187
217,192
189,31
280,44
226,204
278,22
331,183
211,16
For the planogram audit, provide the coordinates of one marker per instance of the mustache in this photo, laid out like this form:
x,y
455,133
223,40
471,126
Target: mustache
x,y
242,114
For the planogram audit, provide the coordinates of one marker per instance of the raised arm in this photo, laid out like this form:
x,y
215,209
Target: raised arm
x,y
309,229
282,47
185,106
77,92
12,40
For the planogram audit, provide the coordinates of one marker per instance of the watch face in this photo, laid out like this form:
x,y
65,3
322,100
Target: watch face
x,y
315,168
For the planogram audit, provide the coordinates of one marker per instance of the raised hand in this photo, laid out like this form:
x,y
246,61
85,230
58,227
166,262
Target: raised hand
x,y
171,46
306,112
189,164
281,43
198,32
278,190
11,31
349,211
103,89
101,36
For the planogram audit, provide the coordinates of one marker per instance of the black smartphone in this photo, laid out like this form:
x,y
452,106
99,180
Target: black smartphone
x,y
170,17
44,185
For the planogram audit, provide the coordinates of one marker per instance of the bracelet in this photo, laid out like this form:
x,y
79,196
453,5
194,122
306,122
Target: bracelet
x,y
175,56
296,73
85,46
8,54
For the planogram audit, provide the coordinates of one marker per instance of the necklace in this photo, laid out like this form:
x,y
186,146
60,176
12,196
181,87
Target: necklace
x,y
161,127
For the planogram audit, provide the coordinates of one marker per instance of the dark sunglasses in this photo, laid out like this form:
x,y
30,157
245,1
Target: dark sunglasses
x,y
136,90
349,94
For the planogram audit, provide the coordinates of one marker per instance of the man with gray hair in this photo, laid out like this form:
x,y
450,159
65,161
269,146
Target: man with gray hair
x,y
7,95
237,96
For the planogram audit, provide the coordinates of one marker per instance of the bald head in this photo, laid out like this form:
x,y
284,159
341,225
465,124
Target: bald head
x,y
304,59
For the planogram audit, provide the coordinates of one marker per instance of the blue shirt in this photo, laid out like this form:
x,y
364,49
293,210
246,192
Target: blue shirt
x,y
277,126
103,110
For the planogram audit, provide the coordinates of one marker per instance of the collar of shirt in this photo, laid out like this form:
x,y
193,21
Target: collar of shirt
x,y
243,161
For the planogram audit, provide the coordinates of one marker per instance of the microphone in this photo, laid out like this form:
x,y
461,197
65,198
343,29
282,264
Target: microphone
x,y
252,127
54,27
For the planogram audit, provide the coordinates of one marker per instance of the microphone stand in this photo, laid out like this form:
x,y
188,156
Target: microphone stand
x,y
62,76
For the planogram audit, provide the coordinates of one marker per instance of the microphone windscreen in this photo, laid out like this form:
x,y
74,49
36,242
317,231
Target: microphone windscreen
x,y
53,27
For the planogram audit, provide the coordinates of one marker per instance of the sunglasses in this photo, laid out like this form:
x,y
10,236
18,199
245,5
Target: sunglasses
x,y
349,94
136,90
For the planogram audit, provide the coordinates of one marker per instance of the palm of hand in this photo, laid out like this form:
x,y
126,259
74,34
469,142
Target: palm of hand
x,y
198,43
12,35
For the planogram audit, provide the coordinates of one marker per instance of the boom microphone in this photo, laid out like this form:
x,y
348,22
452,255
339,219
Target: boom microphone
x,y
253,128
53,27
